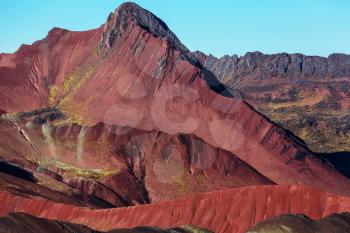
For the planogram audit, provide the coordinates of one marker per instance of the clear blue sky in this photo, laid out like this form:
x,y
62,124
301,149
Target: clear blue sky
x,y
313,27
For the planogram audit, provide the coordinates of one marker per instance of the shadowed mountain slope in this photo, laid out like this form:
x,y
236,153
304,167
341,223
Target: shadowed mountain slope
x,y
23,223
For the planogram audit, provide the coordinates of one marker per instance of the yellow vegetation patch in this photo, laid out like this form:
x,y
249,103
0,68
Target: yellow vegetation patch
x,y
310,101
75,80
74,110
53,91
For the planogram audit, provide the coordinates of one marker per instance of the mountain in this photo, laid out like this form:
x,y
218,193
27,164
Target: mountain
x,y
308,95
126,116
132,72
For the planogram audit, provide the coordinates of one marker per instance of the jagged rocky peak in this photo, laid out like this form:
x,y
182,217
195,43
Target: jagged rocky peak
x,y
281,64
132,14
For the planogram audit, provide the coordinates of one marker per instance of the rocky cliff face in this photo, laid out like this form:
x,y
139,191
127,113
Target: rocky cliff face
x,y
130,14
262,66
301,93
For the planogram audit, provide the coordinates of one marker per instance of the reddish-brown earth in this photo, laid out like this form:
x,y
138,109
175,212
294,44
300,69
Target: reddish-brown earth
x,y
228,211
105,169
123,115
134,72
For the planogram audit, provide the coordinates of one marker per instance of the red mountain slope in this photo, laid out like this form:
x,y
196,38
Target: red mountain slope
x,y
134,72
122,115
98,167
242,208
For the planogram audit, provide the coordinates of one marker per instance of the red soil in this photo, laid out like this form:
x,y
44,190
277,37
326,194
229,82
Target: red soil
x,y
145,81
226,211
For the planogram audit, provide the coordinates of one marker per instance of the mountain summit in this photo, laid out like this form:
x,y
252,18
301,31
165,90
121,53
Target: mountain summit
x,y
132,14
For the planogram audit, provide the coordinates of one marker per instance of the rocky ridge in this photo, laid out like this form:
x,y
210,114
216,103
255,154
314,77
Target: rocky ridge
x,y
263,66
243,208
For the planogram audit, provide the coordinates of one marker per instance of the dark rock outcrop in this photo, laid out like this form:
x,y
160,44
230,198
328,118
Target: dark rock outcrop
x,y
262,66
24,223
129,14
335,223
